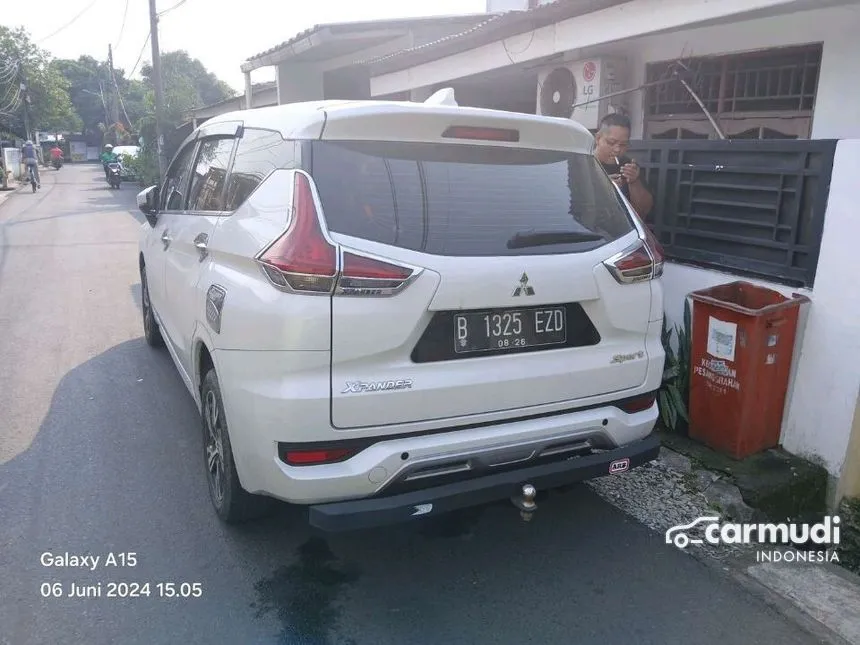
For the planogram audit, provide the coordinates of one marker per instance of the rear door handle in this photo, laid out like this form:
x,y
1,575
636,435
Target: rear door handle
x,y
201,243
166,239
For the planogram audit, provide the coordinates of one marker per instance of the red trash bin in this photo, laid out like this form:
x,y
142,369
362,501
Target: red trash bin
x,y
742,346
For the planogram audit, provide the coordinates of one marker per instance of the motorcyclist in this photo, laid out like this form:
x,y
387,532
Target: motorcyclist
x,y
31,160
107,157
56,153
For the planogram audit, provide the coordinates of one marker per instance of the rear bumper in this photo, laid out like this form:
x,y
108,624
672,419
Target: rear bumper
x,y
379,511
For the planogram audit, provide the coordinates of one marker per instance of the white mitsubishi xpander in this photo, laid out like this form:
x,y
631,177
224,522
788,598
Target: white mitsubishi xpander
x,y
387,310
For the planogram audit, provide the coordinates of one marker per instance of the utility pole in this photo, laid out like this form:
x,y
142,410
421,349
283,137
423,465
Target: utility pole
x,y
159,88
114,104
26,101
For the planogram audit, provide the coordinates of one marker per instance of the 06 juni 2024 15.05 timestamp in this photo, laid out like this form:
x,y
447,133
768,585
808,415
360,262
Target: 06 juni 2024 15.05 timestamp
x,y
161,589
89,563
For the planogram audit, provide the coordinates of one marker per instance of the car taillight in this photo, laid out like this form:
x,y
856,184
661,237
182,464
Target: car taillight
x,y
302,258
642,261
362,275
316,457
638,403
305,261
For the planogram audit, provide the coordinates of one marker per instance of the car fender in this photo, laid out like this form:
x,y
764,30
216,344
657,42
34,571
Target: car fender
x,y
203,337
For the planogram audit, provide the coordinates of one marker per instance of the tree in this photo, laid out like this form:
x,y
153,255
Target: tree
x,y
93,94
187,84
50,107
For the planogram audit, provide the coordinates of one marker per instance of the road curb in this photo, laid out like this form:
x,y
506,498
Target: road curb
x,y
738,570
822,598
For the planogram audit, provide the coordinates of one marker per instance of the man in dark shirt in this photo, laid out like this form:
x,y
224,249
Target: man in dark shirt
x,y
611,143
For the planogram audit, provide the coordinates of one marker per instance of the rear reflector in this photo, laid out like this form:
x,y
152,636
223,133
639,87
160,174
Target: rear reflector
x,y
481,134
316,457
638,404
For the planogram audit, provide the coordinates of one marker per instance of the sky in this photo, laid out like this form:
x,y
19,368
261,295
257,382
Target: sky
x,y
220,37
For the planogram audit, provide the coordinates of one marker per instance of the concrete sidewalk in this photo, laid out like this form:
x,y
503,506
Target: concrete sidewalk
x,y
14,187
817,594
822,598
4,194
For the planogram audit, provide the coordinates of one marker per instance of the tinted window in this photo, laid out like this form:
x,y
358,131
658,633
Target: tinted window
x,y
176,181
259,153
210,175
465,200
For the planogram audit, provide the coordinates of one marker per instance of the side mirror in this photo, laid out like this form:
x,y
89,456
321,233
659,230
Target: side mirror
x,y
147,202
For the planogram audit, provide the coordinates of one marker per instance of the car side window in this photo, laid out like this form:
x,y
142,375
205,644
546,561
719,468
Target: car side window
x,y
176,181
258,154
210,174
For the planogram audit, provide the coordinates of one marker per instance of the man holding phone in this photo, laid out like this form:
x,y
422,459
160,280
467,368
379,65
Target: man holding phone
x,y
611,143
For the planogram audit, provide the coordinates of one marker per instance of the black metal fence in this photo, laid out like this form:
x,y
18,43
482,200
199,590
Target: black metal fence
x,y
750,207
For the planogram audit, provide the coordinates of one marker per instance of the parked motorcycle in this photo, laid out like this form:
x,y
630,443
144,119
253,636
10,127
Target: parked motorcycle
x,y
114,175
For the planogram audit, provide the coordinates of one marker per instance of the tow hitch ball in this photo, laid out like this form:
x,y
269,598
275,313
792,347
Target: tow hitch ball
x,y
526,502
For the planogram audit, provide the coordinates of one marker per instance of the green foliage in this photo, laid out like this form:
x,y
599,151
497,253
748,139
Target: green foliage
x,y
674,395
50,106
144,166
187,84
92,94
849,553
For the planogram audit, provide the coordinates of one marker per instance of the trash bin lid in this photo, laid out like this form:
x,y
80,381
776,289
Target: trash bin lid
x,y
747,298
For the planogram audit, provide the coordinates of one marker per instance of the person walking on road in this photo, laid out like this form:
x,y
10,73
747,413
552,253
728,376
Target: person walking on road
x,y
31,160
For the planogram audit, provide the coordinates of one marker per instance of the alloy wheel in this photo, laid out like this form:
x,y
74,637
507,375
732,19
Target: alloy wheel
x,y
214,447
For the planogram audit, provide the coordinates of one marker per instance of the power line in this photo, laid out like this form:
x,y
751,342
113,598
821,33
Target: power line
x,y
14,104
8,68
70,23
116,86
169,9
122,29
140,56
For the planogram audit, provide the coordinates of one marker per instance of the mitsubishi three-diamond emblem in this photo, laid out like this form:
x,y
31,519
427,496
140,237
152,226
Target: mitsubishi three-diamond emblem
x,y
525,288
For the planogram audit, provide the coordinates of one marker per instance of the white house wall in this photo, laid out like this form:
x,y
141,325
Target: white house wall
x,y
821,408
825,376
630,20
299,83
837,104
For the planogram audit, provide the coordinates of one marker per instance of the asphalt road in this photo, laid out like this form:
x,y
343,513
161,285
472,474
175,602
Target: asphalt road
x,y
100,453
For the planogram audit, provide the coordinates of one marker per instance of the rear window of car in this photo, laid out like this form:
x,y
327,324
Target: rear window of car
x,y
465,200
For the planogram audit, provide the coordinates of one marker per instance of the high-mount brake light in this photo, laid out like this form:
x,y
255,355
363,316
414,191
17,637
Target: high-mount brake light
x,y
303,260
481,133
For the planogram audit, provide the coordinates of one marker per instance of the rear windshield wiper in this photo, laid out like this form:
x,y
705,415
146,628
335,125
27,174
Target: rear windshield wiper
x,y
543,238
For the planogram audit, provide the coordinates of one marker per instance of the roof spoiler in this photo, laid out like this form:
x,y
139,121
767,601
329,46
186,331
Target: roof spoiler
x,y
445,96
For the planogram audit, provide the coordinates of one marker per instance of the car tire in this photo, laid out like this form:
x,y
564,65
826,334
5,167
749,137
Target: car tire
x,y
150,326
232,503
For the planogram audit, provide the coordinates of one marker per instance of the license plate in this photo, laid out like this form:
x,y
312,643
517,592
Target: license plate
x,y
509,329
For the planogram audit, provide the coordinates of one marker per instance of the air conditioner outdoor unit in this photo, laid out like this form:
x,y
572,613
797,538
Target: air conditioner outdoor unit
x,y
560,87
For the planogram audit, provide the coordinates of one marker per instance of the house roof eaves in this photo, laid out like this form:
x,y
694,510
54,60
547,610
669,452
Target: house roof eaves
x,y
255,89
337,28
497,27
